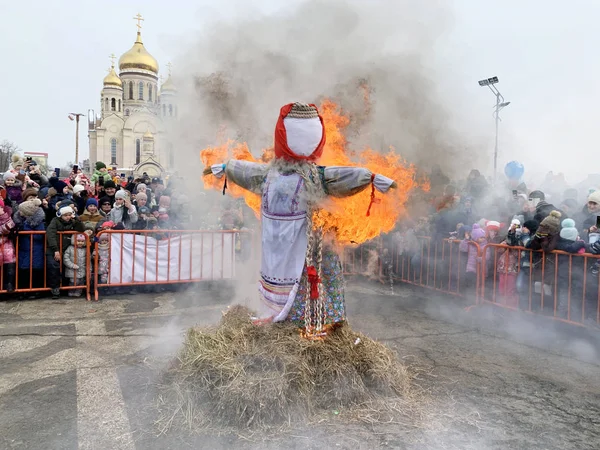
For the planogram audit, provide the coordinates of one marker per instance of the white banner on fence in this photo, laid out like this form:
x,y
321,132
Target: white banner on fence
x,y
196,256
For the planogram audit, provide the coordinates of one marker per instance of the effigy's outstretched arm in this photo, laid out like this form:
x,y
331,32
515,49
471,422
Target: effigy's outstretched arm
x,y
345,181
246,174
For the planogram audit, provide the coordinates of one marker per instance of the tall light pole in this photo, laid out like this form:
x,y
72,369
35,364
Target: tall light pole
x,y
500,103
76,116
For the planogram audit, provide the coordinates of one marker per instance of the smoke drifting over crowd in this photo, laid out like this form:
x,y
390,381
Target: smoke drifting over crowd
x,y
375,59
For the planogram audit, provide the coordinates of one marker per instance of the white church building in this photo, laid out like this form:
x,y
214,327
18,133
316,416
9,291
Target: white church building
x,y
136,113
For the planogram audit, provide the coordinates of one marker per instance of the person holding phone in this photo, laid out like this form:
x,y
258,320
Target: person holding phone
x,y
589,219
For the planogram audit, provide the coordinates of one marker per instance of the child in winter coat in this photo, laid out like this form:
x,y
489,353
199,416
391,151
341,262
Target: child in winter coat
x,y
477,235
570,272
100,173
30,217
103,250
75,261
545,239
14,188
7,249
92,214
143,211
507,266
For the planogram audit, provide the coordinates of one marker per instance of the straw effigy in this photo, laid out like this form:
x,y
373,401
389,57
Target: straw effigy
x,y
241,376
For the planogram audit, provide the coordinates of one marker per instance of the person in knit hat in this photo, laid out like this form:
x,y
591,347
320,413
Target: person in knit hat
x,y
109,190
30,217
547,234
30,194
570,270
290,272
65,220
100,175
542,207
14,188
144,212
80,198
588,218
492,228
123,212
62,193
92,214
477,235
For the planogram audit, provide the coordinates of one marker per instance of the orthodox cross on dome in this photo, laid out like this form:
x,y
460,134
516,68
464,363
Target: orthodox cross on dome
x,y
112,58
139,19
169,66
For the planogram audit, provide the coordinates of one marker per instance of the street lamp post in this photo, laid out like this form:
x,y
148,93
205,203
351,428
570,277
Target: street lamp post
x,y
76,116
500,103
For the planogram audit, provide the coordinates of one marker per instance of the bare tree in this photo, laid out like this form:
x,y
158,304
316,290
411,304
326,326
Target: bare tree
x,y
7,149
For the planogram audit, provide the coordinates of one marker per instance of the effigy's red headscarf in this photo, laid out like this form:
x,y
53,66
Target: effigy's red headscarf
x,y
301,112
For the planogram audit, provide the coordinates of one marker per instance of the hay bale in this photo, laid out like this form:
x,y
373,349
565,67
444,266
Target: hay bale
x,y
245,376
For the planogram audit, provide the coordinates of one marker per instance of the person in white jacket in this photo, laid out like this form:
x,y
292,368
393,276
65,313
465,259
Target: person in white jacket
x,y
75,261
123,211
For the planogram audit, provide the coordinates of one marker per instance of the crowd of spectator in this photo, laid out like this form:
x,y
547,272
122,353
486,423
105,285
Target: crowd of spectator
x,y
552,217
33,201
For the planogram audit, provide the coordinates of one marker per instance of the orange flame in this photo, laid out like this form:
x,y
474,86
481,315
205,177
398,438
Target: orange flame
x,y
345,217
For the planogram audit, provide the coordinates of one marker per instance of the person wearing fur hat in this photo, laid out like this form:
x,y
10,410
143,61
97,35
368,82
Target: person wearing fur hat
x,y
92,215
100,175
123,211
65,220
290,185
30,217
30,194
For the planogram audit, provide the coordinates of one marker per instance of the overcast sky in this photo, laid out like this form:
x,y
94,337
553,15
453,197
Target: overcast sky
x,y
55,55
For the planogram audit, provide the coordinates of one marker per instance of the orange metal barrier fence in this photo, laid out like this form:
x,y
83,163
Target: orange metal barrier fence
x,y
560,285
160,257
30,273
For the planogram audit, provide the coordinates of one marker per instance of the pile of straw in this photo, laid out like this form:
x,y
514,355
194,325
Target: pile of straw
x,y
241,376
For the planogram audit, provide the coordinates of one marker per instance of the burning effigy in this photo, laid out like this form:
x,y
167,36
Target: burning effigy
x,y
296,355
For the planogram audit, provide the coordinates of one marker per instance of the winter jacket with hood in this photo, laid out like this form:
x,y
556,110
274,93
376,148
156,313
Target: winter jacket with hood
x,y
543,210
56,226
32,223
97,175
75,256
567,264
88,217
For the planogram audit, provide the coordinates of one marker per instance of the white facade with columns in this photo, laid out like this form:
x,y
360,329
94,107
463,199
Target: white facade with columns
x,y
130,133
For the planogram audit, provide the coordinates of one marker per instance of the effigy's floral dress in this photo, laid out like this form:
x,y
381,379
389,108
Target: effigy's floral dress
x,y
284,210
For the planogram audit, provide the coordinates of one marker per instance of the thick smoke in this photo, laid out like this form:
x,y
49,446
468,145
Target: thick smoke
x,y
240,71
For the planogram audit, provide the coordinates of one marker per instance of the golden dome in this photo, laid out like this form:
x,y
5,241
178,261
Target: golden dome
x,y
168,85
112,79
148,135
137,57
